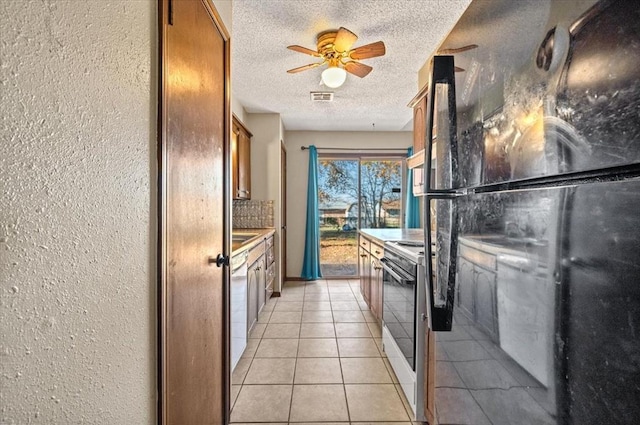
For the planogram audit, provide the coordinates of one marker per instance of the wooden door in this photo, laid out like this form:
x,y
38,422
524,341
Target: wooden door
x,y
283,211
194,172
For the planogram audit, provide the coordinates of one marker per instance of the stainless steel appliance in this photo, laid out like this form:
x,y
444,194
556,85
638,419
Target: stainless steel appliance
x,y
403,316
532,199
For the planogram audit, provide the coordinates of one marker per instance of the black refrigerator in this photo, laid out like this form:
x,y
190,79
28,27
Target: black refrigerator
x,y
532,214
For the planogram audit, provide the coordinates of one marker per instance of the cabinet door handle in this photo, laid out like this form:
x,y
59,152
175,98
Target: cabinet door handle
x,y
363,255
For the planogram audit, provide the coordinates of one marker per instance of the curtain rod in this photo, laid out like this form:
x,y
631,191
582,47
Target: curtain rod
x,y
304,148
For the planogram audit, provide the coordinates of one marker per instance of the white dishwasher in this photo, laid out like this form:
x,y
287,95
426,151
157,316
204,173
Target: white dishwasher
x,y
238,306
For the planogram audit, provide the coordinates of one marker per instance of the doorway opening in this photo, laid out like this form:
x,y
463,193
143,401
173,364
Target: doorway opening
x,y
355,193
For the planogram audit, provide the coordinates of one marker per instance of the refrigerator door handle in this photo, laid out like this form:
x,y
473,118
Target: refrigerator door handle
x,y
442,75
441,308
441,283
446,193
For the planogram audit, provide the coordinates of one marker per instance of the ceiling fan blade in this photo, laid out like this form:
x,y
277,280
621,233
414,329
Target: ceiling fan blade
x,y
304,50
458,69
344,40
457,50
357,68
368,51
304,68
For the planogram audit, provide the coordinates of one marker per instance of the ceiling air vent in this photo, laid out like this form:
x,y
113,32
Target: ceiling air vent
x,y
321,96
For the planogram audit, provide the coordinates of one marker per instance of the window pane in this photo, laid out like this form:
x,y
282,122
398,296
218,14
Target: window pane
x,y
347,204
381,197
338,205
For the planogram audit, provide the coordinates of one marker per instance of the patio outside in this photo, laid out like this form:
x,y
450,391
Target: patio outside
x,y
340,211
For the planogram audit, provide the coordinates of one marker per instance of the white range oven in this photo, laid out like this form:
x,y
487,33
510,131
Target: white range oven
x,y
404,317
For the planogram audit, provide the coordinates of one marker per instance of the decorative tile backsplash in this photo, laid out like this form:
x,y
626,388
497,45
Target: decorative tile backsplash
x,y
252,214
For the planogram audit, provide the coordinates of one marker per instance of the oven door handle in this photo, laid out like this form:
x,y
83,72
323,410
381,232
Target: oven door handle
x,y
407,280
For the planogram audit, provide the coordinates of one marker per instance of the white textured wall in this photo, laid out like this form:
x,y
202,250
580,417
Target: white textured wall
x,y
298,169
238,109
265,170
225,10
77,213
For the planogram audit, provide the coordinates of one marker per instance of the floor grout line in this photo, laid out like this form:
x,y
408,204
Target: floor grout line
x,y
335,337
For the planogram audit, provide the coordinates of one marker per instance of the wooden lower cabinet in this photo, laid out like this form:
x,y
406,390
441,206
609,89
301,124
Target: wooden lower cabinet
x,y
365,274
476,291
262,283
252,296
376,288
371,275
270,267
376,281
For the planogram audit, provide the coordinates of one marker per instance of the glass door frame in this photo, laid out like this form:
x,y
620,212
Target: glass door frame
x,y
365,156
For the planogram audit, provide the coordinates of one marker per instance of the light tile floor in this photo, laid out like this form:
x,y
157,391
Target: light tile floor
x,y
315,356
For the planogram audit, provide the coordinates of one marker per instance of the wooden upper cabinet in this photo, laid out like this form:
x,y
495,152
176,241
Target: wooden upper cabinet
x,y
419,124
419,105
240,160
235,139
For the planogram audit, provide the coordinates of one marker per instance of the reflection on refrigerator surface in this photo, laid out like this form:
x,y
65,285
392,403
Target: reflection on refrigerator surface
x,y
532,216
498,359
480,383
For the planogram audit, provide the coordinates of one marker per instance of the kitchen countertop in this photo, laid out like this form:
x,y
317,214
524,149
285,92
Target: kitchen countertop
x,y
251,237
383,235
535,251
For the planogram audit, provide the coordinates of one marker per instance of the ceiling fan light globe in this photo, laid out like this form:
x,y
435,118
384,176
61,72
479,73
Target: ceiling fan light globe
x,y
334,77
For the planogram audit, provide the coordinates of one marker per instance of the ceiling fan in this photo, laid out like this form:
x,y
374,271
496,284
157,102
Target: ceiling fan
x,y
334,48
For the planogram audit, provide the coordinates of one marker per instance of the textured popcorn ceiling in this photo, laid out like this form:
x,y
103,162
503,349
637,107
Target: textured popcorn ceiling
x,y
410,29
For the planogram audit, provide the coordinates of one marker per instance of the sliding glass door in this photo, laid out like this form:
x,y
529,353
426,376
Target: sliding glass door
x,y
355,193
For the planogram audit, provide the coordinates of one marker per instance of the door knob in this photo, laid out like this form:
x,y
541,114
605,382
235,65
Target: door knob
x,y
220,260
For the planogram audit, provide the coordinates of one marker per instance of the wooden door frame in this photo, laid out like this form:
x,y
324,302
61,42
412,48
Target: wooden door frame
x,y
283,213
164,16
